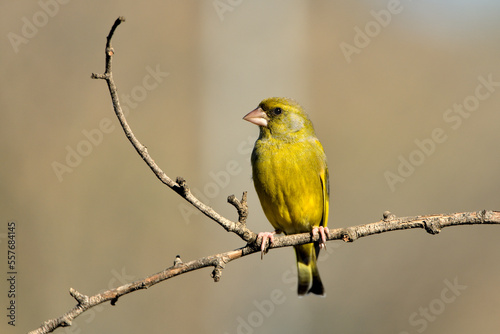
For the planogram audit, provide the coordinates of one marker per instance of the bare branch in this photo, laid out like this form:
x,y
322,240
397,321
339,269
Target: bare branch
x,y
431,223
180,185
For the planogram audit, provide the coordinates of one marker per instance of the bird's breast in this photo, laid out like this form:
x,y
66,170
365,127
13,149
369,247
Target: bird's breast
x,y
287,181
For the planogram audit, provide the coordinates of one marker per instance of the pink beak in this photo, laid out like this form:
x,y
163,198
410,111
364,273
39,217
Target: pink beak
x,y
257,117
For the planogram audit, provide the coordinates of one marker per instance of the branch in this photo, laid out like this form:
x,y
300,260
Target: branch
x,y
431,223
179,185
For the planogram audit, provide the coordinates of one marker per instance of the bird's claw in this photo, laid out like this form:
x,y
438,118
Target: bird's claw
x,y
267,240
323,232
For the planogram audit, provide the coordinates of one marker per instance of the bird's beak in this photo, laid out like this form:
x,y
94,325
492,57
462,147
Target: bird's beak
x,y
257,117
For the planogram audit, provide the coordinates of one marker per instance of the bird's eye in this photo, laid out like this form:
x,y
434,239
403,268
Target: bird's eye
x,y
277,111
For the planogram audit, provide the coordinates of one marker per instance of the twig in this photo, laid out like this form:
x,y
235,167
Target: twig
x,y
180,185
432,224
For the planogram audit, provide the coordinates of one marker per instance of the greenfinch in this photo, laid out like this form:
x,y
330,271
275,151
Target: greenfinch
x,y
290,175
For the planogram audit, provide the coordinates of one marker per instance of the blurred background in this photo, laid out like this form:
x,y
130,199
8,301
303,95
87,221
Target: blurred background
x,y
404,97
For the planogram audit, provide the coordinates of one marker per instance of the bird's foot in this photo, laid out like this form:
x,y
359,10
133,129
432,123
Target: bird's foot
x,y
267,240
323,232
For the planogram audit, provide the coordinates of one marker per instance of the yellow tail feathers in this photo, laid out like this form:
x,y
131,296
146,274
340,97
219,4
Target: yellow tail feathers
x,y
307,270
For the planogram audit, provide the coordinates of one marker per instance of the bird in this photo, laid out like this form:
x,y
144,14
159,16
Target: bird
x,y
290,175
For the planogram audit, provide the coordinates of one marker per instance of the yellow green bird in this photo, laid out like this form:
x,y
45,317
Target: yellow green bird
x,y
290,175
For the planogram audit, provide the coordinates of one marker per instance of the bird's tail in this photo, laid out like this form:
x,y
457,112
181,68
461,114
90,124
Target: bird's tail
x,y
307,270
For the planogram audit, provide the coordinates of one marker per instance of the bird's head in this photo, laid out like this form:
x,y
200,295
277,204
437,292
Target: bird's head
x,y
281,118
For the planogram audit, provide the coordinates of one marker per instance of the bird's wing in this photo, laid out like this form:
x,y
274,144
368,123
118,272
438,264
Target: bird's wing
x,y
325,185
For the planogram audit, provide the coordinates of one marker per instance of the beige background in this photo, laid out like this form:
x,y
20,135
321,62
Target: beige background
x,y
110,221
